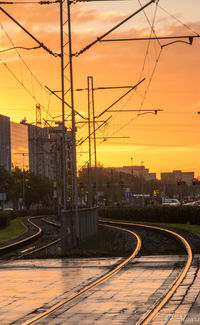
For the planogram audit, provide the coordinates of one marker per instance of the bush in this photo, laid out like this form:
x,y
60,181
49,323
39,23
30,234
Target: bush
x,y
4,218
168,214
35,212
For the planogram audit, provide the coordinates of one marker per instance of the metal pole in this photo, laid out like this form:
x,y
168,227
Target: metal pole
x,y
95,148
74,163
23,184
89,142
63,108
142,180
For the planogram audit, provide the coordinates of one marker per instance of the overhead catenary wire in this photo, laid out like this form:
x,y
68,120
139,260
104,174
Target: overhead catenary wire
x,y
113,28
29,70
142,70
21,83
145,59
31,35
151,25
29,2
178,20
20,47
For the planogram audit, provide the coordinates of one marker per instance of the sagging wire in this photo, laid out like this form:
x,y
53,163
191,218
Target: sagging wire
x,y
149,41
151,78
29,2
112,29
151,25
21,83
173,42
43,46
179,21
142,70
27,67
147,51
20,47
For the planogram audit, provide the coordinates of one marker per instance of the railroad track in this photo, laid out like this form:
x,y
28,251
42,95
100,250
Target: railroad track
x,y
31,244
160,303
88,287
157,306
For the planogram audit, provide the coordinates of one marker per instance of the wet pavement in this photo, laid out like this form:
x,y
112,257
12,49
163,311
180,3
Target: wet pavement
x,y
29,287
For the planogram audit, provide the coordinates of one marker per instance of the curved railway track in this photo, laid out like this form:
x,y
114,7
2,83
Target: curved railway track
x,y
152,311
100,280
29,245
149,314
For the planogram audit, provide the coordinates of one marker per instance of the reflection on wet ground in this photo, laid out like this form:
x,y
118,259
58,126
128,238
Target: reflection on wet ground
x,y
29,285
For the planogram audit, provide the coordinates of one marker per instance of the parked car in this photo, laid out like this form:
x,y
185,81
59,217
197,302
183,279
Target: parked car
x,y
193,203
10,210
171,202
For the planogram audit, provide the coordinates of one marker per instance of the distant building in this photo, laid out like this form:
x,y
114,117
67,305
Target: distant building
x,y
19,145
138,171
46,150
171,178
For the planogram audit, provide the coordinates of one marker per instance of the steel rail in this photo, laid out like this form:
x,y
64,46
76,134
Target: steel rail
x,y
91,285
21,242
52,223
8,248
38,249
149,315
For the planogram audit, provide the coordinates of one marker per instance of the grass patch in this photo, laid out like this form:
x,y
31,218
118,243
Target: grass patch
x,y
15,229
195,229
187,227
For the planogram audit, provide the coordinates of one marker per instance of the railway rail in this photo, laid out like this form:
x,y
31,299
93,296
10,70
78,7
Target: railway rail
x,y
150,314
30,244
158,305
100,280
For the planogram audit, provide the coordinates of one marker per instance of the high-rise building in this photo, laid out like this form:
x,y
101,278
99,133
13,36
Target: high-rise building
x,y
31,147
5,143
19,145
13,144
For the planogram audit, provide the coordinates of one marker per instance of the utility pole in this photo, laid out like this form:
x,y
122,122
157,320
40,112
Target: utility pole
x,y
142,182
90,103
67,98
74,165
63,107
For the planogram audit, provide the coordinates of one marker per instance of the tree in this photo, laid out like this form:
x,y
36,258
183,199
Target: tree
x,y
5,179
30,187
38,189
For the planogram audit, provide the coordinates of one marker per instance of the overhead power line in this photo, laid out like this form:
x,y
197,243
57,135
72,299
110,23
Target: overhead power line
x,y
31,35
112,29
29,70
189,37
20,47
108,108
29,2
178,20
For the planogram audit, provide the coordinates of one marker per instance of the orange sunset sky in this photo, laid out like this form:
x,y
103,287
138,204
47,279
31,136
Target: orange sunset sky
x,y
164,142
